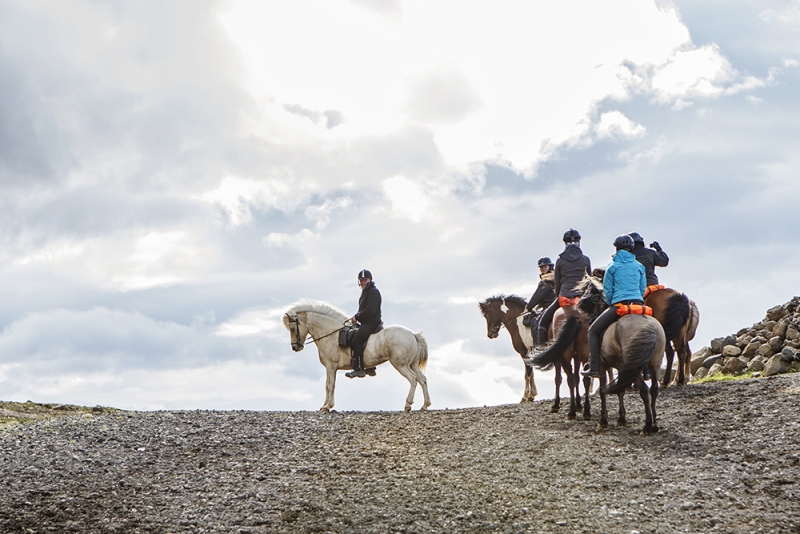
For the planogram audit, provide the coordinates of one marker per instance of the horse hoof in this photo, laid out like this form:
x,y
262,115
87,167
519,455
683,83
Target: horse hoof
x,y
601,425
554,409
570,417
324,409
587,417
622,422
407,408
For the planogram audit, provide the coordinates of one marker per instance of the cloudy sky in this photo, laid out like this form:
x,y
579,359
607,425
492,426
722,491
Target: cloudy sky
x,y
173,176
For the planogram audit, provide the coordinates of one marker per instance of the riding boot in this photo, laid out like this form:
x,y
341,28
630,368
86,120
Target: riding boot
x,y
539,337
592,368
358,368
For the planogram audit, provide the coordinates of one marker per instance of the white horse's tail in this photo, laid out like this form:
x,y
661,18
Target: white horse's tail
x,y
423,349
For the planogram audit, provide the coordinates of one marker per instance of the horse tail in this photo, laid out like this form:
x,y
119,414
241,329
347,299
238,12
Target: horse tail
x,y
637,352
566,335
422,349
676,314
694,320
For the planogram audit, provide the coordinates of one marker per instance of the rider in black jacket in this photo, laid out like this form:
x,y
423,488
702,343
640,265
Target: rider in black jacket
x,y
544,294
369,315
649,257
571,265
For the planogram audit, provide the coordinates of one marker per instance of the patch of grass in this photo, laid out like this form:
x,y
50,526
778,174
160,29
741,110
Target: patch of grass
x,y
15,413
719,377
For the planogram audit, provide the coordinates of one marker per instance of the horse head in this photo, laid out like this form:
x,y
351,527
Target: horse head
x,y
297,328
499,311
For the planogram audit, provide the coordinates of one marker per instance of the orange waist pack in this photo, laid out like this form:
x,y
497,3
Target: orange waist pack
x,y
633,309
652,289
568,301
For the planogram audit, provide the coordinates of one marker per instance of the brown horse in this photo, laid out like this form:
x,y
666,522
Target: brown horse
x,y
507,311
569,349
632,344
679,316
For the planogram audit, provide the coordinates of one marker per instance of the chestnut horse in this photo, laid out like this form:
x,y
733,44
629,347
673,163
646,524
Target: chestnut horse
x,y
679,316
507,311
632,344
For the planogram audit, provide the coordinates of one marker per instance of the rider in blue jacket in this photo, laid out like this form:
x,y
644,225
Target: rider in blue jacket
x,y
624,283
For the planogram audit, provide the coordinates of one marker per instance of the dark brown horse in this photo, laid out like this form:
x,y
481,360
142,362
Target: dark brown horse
x,y
507,311
679,316
569,349
632,344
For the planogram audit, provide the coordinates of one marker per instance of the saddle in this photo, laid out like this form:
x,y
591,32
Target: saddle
x,y
633,309
346,334
652,289
527,319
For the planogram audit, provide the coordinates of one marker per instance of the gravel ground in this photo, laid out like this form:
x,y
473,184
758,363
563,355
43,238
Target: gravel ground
x,y
726,460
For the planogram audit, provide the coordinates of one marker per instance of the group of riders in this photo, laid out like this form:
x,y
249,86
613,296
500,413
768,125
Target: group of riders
x,y
625,282
627,278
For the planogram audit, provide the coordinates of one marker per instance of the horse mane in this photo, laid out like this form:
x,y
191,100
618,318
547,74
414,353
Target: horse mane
x,y
513,299
587,282
311,305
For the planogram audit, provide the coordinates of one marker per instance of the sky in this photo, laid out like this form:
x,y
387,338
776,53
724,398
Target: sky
x,y
174,176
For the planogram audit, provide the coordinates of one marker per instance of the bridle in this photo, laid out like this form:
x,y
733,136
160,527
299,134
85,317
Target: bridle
x,y
300,342
504,323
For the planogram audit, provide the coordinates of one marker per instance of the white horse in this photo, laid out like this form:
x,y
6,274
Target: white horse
x,y
405,350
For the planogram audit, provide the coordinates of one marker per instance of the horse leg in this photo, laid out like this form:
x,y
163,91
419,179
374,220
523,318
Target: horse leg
x,y
670,357
572,383
680,346
603,423
411,376
644,392
622,420
423,382
533,391
330,384
527,395
653,396
587,386
576,371
557,397
687,362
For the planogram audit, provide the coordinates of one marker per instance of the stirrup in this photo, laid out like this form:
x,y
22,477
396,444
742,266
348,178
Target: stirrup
x,y
587,371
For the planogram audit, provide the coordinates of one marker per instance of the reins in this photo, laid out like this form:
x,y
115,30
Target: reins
x,y
296,321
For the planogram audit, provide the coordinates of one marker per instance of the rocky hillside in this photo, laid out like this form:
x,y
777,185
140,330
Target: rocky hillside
x,y
769,347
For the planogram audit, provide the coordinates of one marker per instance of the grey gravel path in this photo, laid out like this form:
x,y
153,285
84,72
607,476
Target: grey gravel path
x,y
726,460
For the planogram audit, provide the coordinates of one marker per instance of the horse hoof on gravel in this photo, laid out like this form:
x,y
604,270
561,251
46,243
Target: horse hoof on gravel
x,y
570,416
622,422
554,409
587,417
324,409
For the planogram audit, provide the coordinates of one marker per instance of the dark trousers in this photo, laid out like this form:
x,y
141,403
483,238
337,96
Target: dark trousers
x,y
360,340
603,321
547,315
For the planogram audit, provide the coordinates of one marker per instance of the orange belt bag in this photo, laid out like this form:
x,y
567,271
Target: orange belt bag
x,y
652,289
633,309
568,301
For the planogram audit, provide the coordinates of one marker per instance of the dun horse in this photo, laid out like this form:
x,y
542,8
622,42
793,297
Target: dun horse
x,y
631,344
405,350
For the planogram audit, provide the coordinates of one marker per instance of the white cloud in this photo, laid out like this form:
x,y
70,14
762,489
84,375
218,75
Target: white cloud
x,y
614,124
407,198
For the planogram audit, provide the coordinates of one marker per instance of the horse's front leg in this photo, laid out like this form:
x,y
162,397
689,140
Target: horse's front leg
x,y
603,423
576,371
622,420
557,397
644,392
527,396
670,358
330,384
572,383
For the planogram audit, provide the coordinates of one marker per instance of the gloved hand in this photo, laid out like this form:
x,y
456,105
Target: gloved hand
x,y
655,245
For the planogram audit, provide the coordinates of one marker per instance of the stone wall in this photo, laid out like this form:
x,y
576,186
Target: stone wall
x,y
769,347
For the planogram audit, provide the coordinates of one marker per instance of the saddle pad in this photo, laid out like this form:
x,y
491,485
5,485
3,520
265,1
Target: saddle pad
x,y
568,301
633,309
652,289
345,335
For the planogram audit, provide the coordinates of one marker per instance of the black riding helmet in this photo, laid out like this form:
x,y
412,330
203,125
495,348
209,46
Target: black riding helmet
x,y
572,236
544,260
636,238
624,242
364,275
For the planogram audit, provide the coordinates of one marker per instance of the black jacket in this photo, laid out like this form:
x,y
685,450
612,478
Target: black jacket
x,y
369,305
545,292
571,265
650,259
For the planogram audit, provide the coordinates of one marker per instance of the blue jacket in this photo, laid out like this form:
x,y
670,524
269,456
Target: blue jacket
x,y
625,279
